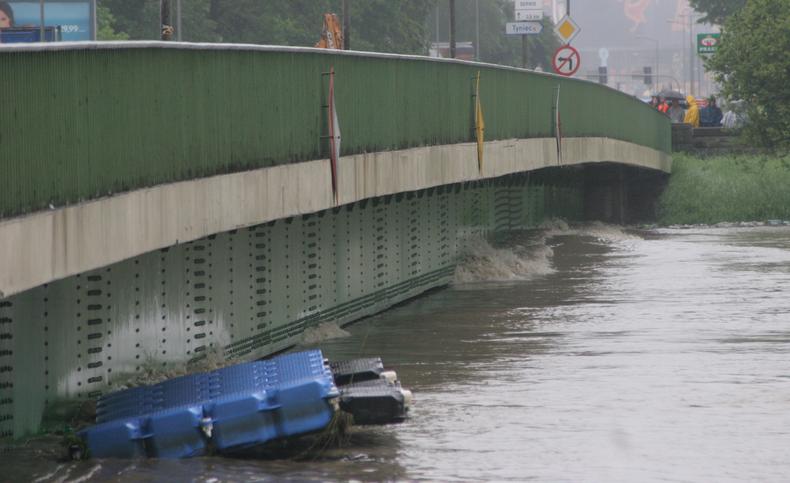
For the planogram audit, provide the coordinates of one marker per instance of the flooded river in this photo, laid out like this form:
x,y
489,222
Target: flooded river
x,y
567,355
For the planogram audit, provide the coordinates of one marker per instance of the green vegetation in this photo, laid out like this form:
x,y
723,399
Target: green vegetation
x,y
752,65
721,189
716,11
106,24
402,26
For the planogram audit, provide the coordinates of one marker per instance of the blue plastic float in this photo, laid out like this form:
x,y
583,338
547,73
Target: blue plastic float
x,y
228,409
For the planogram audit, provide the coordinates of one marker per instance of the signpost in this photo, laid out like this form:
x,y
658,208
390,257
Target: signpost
x,y
566,61
708,43
529,21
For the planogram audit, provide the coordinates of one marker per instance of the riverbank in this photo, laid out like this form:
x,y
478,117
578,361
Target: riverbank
x,y
726,189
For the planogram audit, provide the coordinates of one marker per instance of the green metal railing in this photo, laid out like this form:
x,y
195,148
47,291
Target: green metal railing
x,y
80,122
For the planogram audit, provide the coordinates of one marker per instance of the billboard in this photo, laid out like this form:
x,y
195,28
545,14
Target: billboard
x,y
708,43
73,17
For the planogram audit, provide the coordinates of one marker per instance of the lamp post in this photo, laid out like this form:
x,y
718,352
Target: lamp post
x,y
42,30
178,21
452,29
94,21
477,30
687,23
658,62
346,25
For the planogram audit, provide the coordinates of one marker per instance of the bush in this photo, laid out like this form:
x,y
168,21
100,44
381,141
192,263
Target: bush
x,y
752,65
732,188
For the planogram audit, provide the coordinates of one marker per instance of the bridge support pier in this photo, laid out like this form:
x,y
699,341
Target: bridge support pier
x,y
614,193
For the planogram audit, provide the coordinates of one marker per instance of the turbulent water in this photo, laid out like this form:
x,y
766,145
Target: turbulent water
x,y
564,354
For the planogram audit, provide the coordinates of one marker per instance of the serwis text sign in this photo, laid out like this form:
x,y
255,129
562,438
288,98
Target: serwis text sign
x,y
529,4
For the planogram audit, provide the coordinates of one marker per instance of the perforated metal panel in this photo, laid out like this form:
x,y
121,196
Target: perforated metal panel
x,y
250,292
6,369
136,93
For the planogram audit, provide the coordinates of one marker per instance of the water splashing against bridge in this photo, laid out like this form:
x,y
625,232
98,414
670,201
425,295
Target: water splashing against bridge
x,y
601,355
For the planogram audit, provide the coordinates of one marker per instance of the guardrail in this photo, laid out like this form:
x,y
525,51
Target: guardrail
x,y
84,120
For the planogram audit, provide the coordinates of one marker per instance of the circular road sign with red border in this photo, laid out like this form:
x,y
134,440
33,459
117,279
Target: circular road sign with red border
x,y
566,61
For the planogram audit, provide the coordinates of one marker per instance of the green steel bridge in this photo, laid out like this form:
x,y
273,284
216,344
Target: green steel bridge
x,y
161,203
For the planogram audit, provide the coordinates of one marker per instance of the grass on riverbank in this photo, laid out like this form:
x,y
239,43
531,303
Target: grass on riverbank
x,y
726,189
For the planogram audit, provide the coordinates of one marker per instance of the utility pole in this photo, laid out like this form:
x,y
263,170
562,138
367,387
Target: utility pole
x,y
656,71
94,21
41,31
568,7
437,23
166,29
524,51
692,57
452,29
346,26
477,30
178,21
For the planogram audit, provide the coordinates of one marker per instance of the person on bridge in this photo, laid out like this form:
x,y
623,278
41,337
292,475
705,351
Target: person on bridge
x,y
676,112
710,115
6,15
692,114
655,102
663,106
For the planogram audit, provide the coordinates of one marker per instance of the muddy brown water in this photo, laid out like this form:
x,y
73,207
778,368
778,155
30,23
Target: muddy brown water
x,y
606,356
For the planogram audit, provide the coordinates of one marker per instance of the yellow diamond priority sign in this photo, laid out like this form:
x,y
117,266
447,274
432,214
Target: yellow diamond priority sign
x,y
567,29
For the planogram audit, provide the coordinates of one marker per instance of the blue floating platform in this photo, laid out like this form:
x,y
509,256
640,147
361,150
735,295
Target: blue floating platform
x,y
228,409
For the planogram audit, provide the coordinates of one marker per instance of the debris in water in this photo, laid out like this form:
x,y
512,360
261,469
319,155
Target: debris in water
x,y
244,407
322,332
369,393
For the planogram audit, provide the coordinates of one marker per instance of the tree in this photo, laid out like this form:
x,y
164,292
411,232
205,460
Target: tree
x,y
716,11
139,19
106,25
386,26
495,46
752,65
377,25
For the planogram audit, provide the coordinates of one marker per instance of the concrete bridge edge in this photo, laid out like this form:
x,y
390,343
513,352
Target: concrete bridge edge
x,y
46,246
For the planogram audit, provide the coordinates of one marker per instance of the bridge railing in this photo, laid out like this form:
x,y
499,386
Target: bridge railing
x,y
81,121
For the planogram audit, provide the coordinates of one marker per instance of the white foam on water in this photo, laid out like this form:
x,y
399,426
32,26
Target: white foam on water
x,y
527,257
602,232
322,332
480,262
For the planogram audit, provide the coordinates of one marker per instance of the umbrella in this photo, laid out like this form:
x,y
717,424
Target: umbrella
x,y
670,94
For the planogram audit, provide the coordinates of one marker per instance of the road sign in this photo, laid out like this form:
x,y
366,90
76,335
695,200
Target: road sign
x,y
567,29
523,28
566,61
708,43
529,15
529,4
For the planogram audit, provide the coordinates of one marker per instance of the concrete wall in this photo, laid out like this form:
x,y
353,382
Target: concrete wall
x,y
52,245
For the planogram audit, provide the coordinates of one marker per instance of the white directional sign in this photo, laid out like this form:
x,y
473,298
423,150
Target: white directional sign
x,y
529,4
529,15
523,28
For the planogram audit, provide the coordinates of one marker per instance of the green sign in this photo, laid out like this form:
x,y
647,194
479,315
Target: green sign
x,y
708,43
